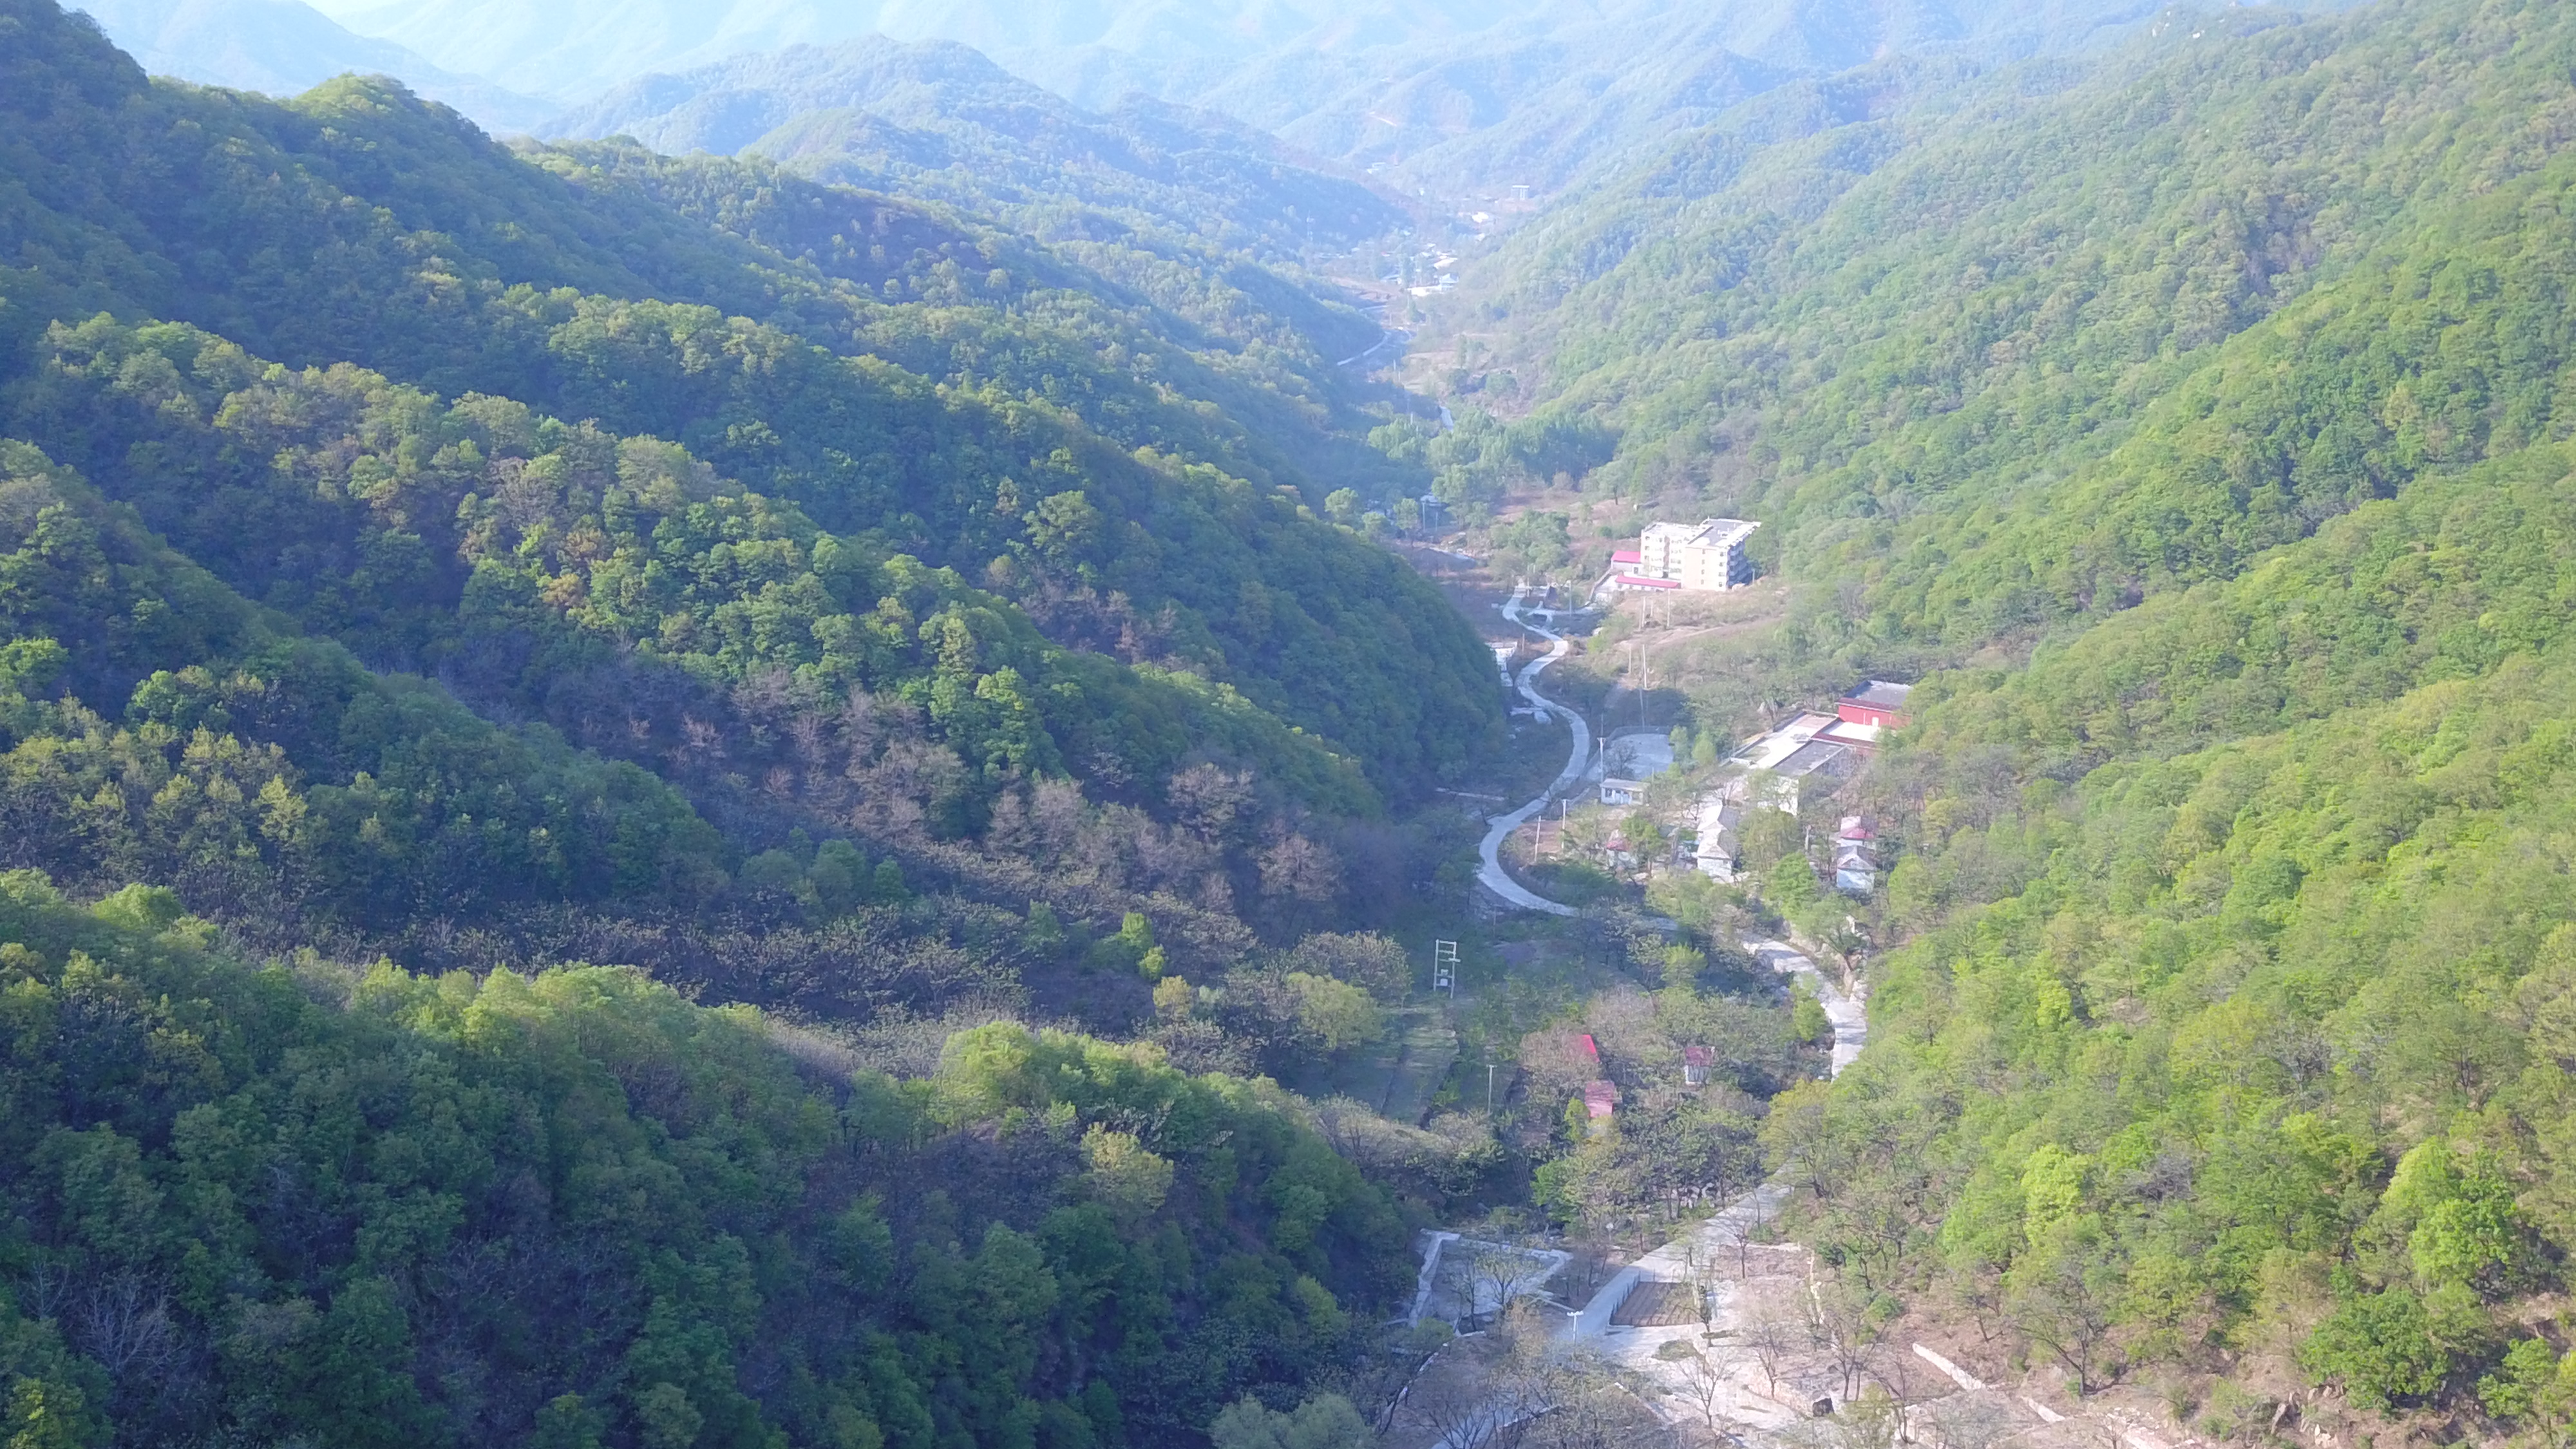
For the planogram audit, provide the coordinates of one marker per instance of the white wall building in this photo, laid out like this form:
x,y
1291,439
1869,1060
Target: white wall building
x,y
1708,554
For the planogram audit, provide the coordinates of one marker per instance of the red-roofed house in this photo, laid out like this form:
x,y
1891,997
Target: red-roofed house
x,y
1876,703
1696,1060
1866,713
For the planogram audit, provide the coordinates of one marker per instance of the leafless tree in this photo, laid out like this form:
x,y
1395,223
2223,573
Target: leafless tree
x,y
1872,1421
1702,1378
124,1323
1968,1421
1492,1399
1774,1329
1458,1413
1704,1269
47,1289
1498,1273
1839,1327
1579,1403
1583,1276
1735,1230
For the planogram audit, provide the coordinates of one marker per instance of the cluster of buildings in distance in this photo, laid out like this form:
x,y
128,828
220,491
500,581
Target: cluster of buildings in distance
x,y
1813,751
1780,768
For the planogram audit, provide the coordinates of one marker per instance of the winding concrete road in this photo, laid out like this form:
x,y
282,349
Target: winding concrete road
x,y
1394,337
1491,873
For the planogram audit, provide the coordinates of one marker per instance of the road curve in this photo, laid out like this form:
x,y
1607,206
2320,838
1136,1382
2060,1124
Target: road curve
x,y
1394,337
1491,873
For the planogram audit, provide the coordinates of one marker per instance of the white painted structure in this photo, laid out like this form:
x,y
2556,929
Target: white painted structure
x,y
1708,554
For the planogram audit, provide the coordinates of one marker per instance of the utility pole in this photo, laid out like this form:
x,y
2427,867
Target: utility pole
x,y
1489,1089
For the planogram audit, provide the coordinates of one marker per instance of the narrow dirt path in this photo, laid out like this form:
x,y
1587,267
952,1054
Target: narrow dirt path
x,y
1491,872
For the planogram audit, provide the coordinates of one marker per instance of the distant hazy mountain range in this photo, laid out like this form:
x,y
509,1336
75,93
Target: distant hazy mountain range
x,y
1444,94
1450,96
284,47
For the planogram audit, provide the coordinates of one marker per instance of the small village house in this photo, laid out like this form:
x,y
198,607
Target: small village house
x,y
1600,1101
1856,855
1864,716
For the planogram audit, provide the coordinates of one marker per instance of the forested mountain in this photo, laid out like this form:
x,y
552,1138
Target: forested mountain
x,y
572,286
493,431
1912,345
940,120
908,565
467,560
2194,422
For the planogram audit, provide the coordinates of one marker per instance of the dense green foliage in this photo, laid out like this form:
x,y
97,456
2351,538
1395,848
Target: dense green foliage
x,y
2231,994
2448,579
1132,331
415,550
418,807
963,604
483,538
1464,100
571,1208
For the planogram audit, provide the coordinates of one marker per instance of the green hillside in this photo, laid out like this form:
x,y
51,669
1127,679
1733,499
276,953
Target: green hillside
x,y
1458,98
869,623
467,269
2193,424
2255,1064
557,709
935,119
560,705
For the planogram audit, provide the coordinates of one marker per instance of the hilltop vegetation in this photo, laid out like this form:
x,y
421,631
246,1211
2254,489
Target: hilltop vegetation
x,y
910,604
2025,354
363,228
1458,99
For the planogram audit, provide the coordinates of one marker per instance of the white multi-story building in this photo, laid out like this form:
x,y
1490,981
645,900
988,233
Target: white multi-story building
x,y
1708,554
